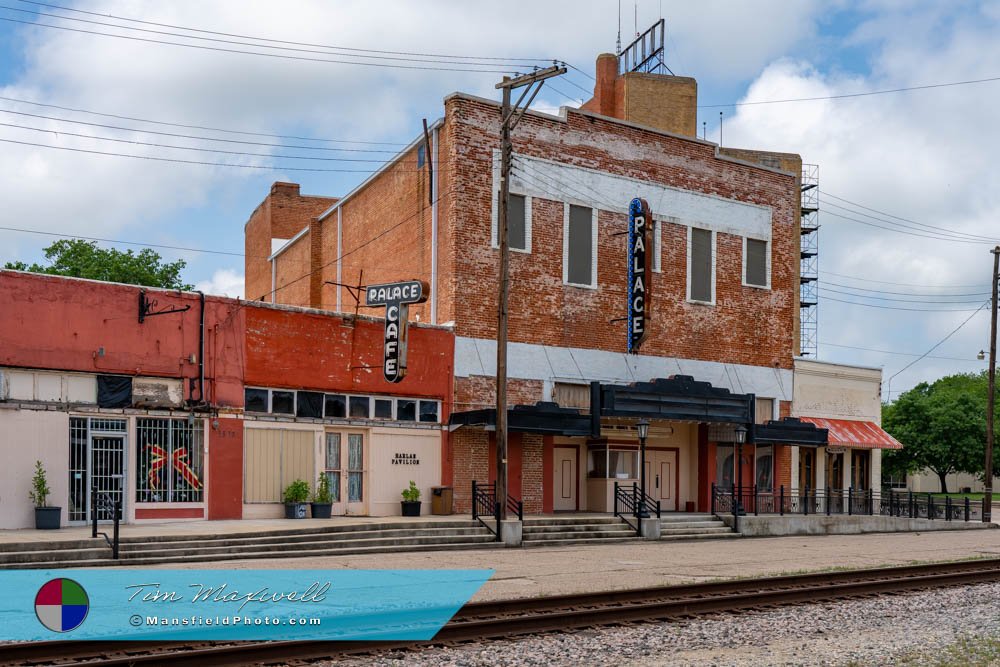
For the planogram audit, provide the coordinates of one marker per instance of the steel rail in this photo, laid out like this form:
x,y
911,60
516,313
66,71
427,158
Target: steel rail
x,y
508,618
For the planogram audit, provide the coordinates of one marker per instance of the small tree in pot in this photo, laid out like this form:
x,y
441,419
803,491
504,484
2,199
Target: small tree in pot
x,y
45,517
411,500
296,494
322,503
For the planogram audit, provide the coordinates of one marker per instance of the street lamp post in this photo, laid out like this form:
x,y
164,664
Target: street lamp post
x,y
741,437
642,426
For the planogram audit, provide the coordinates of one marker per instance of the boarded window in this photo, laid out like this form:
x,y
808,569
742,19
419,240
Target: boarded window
x,y
700,267
580,246
765,410
517,222
756,263
114,391
273,459
571,395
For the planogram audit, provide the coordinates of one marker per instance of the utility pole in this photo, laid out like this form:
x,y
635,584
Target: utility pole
x,y
991,396
509,118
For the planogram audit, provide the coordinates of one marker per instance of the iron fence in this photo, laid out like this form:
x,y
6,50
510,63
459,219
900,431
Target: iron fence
x,y
752,501
170,462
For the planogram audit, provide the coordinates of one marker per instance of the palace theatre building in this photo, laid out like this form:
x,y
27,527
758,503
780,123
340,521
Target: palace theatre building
x,y
721,296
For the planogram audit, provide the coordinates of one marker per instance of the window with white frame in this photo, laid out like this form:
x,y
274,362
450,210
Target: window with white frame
x,y
317,405
701,265
580,246
518,222
756,264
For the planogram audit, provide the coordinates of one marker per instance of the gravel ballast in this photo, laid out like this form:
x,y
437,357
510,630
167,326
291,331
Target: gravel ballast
x,y
913,629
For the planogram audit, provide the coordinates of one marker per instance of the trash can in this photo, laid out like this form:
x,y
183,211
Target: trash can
x,y
441,499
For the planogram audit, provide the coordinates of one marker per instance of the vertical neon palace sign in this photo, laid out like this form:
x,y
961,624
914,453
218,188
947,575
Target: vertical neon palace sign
x,y
639,220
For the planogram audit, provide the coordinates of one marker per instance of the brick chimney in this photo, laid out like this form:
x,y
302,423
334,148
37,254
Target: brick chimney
x,y
661,101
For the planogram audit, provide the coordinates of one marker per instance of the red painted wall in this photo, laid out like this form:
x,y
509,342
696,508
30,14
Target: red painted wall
x,y
225,469
59,323
325,351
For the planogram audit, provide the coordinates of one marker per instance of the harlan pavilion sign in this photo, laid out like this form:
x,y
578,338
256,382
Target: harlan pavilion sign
x,y
396,298
639,221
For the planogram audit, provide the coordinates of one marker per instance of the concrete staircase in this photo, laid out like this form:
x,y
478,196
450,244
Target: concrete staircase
x,y
569,530
286,543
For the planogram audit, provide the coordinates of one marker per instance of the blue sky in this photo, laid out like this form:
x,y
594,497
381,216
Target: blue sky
x,y
924,156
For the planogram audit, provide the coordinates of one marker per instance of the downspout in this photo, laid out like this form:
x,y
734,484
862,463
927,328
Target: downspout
x,y
434,229
201,352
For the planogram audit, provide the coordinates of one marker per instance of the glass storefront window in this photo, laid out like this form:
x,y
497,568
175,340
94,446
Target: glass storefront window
x,y
765,468
604,463
725,466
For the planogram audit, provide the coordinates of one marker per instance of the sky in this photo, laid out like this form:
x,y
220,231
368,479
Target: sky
x,y
908,190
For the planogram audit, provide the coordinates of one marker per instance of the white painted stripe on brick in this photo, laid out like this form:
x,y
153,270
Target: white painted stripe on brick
x,y
567,183
477,356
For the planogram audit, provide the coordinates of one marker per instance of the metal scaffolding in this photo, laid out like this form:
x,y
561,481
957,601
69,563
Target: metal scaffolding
x,y
809,261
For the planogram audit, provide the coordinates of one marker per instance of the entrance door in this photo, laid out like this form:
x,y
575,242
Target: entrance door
x,y
97,463
661,478
346,465
564,481
807,469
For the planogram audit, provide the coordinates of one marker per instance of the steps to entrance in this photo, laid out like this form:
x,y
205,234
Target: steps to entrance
x,y
694,527
581,530
312,542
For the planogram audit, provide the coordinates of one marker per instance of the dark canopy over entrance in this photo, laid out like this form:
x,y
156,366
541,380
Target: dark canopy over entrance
x,y
790,431
543,417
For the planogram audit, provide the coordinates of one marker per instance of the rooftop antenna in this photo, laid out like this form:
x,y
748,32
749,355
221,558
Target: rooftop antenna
x,y
720,128
636,8
704,129
618,44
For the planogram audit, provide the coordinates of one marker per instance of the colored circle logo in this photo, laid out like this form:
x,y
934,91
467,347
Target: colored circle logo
x,y
61,605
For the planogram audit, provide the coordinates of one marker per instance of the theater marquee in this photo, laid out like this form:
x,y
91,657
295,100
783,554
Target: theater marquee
x,y
396,298
639,268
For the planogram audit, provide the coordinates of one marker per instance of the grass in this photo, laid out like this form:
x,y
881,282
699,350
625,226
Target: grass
x,y
970,496
966,652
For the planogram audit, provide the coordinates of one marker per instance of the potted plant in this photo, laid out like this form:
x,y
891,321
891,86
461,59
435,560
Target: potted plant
x,y
411,500
45,517
322,502
295,496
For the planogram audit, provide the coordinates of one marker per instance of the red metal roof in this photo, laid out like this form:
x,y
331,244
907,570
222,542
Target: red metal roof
x,y
859,434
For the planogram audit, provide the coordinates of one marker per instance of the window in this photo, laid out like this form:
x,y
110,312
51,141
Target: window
x,y
604,463
309,404
429,411
355,467
725,466
255,400
170,459
336,406
332,464
579,246
283,402
383,408
569,395
701,265
406,410
765,468
765,410
421,155
360,406
756,269
518,222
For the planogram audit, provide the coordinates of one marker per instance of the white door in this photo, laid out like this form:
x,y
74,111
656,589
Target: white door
x,y
346,460
564,482
661,478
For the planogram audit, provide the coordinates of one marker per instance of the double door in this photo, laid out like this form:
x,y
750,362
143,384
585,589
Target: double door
x,y
346,466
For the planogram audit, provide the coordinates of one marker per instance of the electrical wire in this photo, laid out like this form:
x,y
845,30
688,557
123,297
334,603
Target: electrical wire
x,y
904,354
824,289
865,289
914,310
908,233
885,282
939,232
203,127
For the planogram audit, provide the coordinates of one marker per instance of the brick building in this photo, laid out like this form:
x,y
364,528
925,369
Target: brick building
x,y
204,407
723,332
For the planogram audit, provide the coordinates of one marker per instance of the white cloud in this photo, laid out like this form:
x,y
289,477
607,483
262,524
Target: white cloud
x,y
223,282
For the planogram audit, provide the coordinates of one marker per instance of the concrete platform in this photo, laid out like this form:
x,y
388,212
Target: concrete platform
x,y
819,524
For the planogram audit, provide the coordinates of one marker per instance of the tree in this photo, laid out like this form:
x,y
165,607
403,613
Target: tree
x,y
942,427
83,259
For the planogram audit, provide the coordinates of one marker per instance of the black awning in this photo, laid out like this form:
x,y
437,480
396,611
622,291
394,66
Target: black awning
x,y
678,398
790,431
543,417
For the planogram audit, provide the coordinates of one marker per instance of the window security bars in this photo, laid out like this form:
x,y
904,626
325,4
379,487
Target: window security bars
x,y
170,461
96,462
845,502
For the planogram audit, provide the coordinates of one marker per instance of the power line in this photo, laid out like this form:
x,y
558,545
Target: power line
x,y
847,95
904,354
884,282
865,289
253,53
280,41
915,310
908,233
119,241
196,137
191,148
890,215
911,225
824,289
468,62
197,162
203,127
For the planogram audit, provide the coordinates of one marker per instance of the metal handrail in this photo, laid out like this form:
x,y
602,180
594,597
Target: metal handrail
x,y
104,501
484,503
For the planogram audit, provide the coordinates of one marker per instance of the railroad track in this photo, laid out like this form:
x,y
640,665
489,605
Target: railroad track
x,y
509,618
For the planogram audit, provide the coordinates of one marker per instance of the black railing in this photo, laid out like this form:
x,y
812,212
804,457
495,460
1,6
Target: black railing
x,y
484,504
843,502
630,502
104,505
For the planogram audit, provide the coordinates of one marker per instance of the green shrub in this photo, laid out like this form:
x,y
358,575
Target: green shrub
x,y
39,486
412,494
323,494
297,492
